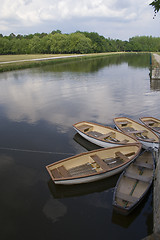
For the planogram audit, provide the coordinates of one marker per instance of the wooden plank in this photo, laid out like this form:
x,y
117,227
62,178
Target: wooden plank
x,y
147,139
126,197
100,162
55,173
63,171
84,127
124,141
130,154
150,122
106,135
138,131
122,122
122,156
138,177
143,164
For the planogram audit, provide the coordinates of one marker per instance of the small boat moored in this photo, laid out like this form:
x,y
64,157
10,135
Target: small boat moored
x,y
101,135
145,135
93,165
152,123
134,183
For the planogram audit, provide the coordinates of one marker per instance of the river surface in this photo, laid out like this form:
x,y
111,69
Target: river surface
x,y
37,109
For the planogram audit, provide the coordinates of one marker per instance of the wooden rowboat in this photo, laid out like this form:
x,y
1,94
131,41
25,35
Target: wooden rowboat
x,y
145,135
134,183
152,123
101,135
93,165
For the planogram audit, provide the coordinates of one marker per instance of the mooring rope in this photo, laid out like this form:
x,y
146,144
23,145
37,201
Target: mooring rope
x,y
34,151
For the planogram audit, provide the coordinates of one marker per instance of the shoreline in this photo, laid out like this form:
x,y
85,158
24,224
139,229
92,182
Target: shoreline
x,y
17,62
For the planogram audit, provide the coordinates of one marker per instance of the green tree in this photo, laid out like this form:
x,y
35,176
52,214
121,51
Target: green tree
x,y
58,43
156,6
5,46
35,45
78,43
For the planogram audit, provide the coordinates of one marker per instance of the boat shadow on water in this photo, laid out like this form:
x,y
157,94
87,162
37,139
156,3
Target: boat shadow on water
x,y
64,191
85,143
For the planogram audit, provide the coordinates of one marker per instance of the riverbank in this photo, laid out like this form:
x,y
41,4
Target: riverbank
x,y
15,62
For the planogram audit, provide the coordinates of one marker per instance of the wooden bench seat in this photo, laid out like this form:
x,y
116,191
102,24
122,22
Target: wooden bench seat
x,y
124,141
138,131
85,127
122,156
130,154
126,197
147,139
150,122
94,134
60,172
123,123
100,162
63,171
143,164
103,136
137,177
55,173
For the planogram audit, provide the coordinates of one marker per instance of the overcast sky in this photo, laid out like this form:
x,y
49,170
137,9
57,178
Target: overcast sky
x,y
117,19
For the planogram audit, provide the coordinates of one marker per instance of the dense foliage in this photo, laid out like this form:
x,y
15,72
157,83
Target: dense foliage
x,y
78,42
156,5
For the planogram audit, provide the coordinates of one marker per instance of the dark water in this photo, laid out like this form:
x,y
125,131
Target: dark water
x,y
37,109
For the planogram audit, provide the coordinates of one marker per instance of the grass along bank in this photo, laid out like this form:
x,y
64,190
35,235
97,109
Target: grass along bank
x,y
15,62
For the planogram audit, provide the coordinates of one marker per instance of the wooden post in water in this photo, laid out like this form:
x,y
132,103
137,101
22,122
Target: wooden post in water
x,y
155,66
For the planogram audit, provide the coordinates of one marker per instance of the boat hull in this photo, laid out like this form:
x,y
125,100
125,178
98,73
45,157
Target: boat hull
x,y
151,121
101,135
93,165
146,144
92,178
96,141
134,183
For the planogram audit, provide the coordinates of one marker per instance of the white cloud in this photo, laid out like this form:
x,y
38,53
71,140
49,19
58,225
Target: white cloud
x,y
26,16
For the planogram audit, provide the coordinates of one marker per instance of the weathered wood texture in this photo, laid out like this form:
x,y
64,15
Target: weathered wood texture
x,y
155,68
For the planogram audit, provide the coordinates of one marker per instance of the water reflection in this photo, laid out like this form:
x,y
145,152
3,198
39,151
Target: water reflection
x,y
94,65
37,110
82,189
54,210
84,143
101,95
155,84
126,221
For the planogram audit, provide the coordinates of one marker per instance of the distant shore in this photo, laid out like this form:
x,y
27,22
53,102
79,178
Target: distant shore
x,y
15,62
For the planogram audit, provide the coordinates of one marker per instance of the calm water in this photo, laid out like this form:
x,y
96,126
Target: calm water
x,y
37,109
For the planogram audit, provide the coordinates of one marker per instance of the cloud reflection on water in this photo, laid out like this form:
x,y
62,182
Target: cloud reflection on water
x,y
67,97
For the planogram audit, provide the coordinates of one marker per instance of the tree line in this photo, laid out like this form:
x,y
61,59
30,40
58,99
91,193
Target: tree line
x,y
78,42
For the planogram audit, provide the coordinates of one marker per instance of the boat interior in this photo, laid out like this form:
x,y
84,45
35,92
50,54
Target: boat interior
x,y
103,133
92,163
153,123
135,181
135,130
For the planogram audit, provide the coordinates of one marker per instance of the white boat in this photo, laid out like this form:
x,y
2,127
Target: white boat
x,y
134,183
93,165
152,123
101,135
145,135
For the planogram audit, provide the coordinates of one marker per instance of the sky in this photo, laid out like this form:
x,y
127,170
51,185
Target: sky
x,y
115,19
